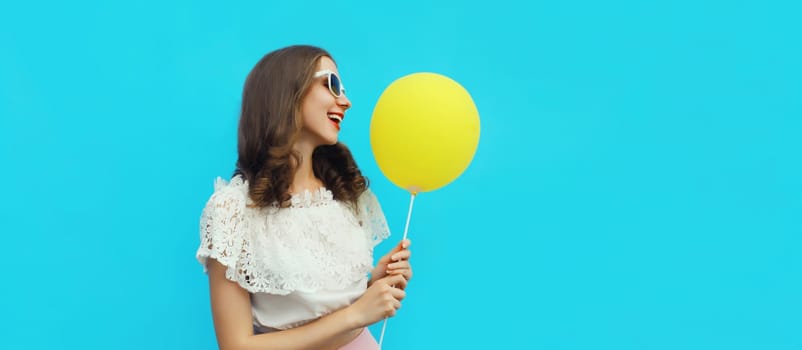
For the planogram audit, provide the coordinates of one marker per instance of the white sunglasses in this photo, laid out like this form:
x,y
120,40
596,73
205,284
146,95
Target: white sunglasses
x,y
335,85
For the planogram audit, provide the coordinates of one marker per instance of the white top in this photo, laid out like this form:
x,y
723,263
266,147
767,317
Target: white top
x,y
298,263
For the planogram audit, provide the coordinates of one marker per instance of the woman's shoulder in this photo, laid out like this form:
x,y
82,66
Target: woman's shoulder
x,y
228,195
371,216
236,187
367,201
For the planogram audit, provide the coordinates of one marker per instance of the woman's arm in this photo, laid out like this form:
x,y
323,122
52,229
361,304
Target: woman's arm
x,y
231,310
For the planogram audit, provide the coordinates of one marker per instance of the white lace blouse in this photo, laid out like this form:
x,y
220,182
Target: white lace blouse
x,y
298,263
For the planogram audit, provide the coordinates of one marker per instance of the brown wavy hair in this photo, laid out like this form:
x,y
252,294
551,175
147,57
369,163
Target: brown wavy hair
x,y
270,123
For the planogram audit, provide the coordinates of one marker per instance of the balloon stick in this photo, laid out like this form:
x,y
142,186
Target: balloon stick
x,y
406,229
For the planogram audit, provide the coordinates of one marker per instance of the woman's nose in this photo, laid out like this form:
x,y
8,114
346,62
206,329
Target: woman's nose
x,y
344,102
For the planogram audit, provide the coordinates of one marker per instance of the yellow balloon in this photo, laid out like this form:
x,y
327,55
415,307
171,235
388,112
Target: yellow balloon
x,y
424,131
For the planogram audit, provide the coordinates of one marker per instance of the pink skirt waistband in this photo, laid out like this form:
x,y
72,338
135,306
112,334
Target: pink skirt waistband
x,y
364,341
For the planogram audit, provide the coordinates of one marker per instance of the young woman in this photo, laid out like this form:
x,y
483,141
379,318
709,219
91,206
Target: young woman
x,y
288,242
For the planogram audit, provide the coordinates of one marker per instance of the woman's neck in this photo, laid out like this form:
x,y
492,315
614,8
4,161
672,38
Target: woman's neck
x,y
304,177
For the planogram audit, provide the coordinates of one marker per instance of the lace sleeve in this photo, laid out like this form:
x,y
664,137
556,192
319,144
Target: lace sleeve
x,y
222,227
372,218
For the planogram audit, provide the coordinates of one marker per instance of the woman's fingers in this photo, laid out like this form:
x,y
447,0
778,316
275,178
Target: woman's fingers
x,y
402,255
398,249
398,293
400,267
402,245
405,243
403,264
403,272
406,271
398,281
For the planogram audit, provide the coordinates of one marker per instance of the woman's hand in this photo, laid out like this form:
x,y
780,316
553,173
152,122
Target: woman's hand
x,y
381,300
396,262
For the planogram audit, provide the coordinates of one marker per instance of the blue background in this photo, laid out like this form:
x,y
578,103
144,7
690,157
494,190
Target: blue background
x,y
638,183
